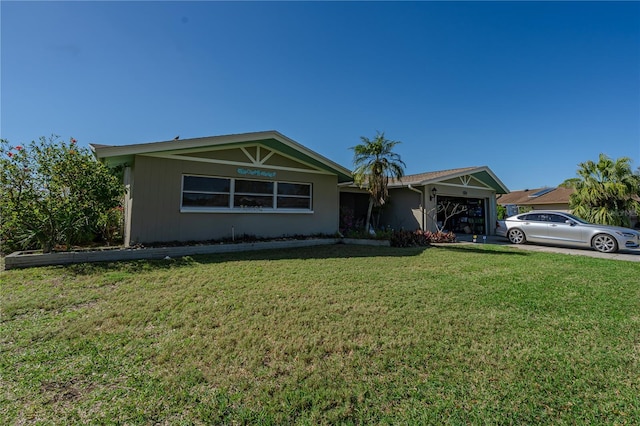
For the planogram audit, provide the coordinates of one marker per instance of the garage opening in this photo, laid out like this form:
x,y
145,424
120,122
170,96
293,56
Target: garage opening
x,y
462,215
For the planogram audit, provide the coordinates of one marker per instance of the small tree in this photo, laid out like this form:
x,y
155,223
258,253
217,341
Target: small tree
x,y
375,162
446,209
605,191
53,193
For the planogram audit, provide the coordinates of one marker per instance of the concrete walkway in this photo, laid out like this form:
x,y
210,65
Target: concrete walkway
x,y
624,254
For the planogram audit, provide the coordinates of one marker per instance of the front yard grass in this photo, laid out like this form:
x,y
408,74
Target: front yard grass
x,y
460,334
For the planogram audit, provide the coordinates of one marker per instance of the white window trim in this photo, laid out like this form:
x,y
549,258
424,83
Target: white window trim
x,y
248,210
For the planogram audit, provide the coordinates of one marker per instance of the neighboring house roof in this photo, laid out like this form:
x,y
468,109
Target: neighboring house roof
x,y
545,195
115,155
483,174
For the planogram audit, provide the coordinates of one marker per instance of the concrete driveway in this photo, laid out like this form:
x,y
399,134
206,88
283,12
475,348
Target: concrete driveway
x,y
624,254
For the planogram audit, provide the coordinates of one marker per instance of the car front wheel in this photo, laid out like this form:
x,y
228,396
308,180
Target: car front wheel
x,y
516,236
604,243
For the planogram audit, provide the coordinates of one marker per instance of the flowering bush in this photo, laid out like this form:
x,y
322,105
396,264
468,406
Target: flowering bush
x,y
52,193
347,220
440,237
420,238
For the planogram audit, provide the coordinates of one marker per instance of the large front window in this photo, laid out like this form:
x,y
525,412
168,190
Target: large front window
x,y
253,193
198,191
205,193
294,196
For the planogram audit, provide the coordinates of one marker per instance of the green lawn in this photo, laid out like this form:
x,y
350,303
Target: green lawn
x,y
459,334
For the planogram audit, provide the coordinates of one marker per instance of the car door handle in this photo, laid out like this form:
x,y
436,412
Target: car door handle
x,y
554,225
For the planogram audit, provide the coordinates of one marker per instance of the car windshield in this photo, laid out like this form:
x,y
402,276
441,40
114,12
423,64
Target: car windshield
x,y
577,219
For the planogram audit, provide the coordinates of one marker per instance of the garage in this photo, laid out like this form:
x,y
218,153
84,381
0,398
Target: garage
x,y
462,215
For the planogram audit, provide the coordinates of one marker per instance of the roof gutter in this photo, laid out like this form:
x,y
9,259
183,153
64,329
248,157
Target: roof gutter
x,y
421,205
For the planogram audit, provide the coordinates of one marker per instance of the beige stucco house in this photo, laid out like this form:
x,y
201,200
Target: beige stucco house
x,y
262,184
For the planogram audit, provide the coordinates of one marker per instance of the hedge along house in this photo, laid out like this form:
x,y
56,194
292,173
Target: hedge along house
x,y
414,200
262,184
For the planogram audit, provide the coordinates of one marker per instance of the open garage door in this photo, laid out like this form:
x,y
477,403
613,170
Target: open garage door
x,y
462,215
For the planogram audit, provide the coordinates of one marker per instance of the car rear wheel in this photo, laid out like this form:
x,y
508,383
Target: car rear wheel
x,y
604,243
516,236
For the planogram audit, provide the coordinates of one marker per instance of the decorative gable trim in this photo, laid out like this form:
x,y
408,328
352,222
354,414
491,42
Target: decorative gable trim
x,y
466,181
270,145
256,155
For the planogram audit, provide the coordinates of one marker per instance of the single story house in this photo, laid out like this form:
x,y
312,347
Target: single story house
x,y
262,184
460,200
547,198
267,185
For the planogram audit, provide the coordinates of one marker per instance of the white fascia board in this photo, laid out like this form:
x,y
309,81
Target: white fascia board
x,y
464,173
213,142
179,145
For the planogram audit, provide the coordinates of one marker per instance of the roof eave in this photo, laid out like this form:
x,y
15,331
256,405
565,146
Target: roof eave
x,y
500,188
129,151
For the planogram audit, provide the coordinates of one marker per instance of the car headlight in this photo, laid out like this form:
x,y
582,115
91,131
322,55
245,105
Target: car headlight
x,y
626,234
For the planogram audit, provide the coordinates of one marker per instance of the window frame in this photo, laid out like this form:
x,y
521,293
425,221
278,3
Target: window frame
x,y
232,208
278,196
182,192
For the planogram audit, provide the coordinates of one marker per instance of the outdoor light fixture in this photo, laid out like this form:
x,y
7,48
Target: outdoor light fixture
x,y
434,191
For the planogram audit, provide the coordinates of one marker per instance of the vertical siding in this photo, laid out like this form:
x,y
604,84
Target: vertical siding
x,y
156,215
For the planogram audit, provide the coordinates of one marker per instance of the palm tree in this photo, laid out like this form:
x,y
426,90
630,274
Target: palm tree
x,y
606,191
375,162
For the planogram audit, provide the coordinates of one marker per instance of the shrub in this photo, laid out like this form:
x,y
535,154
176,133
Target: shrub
x,y
111,224
347,220
380,234
420,238
53,193
441,237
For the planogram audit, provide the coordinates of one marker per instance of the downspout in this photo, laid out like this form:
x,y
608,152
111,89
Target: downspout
x,y
421,204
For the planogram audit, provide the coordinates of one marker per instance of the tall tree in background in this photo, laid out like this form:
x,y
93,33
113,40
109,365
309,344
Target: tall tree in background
x,y
605,191
375,162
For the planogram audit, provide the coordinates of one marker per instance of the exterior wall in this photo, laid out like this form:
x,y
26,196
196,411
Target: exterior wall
x,y
156,216
559,207
128,203
492,214
403,210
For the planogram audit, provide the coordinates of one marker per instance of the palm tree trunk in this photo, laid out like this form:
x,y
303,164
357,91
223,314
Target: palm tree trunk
x,y
369,210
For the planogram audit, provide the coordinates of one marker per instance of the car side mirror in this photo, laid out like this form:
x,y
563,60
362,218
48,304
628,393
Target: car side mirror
x,y
570,222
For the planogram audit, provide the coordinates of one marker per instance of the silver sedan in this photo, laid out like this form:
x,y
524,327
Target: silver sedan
x,y
557,228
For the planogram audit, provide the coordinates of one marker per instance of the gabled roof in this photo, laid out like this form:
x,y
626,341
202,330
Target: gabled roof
x,y
559,195
483,174
272,139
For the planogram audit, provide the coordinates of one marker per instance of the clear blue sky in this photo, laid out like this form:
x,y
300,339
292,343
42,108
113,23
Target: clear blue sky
x,y
528,89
